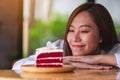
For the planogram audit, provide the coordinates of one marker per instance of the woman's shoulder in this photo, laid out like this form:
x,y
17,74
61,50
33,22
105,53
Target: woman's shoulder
x,y
115,49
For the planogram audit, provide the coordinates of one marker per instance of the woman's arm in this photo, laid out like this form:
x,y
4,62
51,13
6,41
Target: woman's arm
x,y
92,61
108,59
24,61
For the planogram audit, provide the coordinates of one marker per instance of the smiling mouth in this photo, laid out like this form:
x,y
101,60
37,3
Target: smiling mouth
x,y
78,46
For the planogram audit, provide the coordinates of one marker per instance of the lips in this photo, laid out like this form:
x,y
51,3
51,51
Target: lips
x,y
78,46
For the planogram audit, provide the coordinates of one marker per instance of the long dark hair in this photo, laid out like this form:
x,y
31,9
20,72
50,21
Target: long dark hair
x,y
102,19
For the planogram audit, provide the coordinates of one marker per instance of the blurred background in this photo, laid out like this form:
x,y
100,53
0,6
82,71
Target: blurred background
x,y
28,24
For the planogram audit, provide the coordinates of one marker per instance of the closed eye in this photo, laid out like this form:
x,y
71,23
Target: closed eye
x,y
84,31
70,30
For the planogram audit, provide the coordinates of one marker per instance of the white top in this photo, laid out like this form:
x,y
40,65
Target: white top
x,y
59,44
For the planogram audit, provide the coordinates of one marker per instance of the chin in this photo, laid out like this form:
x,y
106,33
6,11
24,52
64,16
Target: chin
x,y
78,54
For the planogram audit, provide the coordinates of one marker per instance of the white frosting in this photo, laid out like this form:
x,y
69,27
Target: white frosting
x,y
47,49
50,64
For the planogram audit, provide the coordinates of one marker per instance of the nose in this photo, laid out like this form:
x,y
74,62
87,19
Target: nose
x,y
76,37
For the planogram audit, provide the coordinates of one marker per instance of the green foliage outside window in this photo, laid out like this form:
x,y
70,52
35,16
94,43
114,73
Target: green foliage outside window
x,y
41,31
117,28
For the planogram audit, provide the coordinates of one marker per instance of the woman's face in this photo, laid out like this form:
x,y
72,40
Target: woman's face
x,y
83,35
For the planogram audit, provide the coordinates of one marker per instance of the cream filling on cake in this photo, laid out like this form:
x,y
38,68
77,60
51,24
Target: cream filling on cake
x,y
60,58
50,64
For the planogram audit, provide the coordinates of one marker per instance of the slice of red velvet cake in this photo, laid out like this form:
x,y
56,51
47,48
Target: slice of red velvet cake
x,y
49,57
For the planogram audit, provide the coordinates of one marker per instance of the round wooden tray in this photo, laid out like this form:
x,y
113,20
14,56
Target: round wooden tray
x,y
32,68
47,76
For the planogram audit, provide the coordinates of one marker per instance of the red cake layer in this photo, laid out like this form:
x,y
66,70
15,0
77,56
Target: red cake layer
x,y
50,54
50,59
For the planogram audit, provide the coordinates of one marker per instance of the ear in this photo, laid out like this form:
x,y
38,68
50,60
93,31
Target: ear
x,y
100,40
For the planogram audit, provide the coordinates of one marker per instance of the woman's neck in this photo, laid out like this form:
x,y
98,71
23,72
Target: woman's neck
x,y
95,52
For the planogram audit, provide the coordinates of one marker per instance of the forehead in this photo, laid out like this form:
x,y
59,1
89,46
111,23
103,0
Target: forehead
x,y
83,18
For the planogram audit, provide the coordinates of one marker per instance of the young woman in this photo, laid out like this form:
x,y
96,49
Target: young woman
x,y
90,40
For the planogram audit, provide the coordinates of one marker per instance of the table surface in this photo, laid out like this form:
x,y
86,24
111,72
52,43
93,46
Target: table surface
x,y
77,74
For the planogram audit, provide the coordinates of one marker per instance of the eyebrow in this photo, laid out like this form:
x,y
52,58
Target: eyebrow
x,y
85,25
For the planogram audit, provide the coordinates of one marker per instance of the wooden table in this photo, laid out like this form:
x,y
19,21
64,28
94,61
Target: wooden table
x,y
78,74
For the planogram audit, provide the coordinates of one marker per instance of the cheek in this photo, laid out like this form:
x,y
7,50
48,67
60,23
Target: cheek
x,y
69,37
91,37
96,38
92,40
